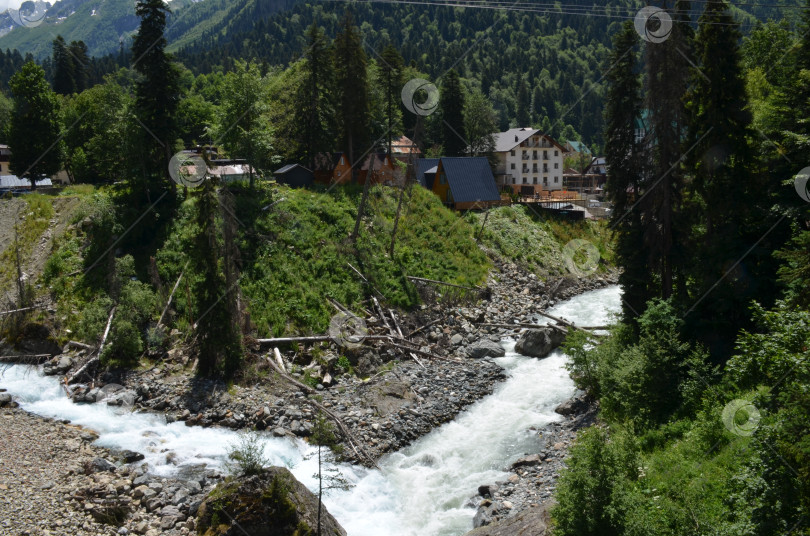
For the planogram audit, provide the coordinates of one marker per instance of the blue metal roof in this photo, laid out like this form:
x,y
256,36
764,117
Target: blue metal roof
x,y
421,166
470,179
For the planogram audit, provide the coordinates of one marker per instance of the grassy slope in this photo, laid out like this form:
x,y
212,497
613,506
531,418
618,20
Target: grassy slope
x,y
297,253
519,234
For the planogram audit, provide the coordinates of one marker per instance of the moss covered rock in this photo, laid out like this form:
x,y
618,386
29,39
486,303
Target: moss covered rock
x,y
273,503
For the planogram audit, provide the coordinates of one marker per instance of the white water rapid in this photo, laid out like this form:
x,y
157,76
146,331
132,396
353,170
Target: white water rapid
x,y
421,490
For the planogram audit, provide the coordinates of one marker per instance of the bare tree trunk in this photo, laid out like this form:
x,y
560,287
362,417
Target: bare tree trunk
x,y
360,209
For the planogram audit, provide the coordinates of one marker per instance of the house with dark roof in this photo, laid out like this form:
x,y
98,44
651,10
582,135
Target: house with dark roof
x,y
294,175
466,183
425,170
527,157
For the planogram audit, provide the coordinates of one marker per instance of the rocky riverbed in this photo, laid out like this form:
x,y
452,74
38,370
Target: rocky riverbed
x,y
389,401
532,478
54,481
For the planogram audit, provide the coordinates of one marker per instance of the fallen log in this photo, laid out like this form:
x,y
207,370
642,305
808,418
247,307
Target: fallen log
x,y
426,354
429,324
356,445
314,338
92,361
537,326
366,281
2,313
80,345
168,303
27,359
279,361
399,332
433,281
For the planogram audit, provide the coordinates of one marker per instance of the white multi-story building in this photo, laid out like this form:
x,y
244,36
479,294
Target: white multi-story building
x,y
528,161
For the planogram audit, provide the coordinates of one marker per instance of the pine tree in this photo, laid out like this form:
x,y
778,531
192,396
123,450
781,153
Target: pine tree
x,y
35,138
315,110
63,68
622,151
391,66
351,85
724,183
523,105
218,336
667,78
81,65
157,92
452,115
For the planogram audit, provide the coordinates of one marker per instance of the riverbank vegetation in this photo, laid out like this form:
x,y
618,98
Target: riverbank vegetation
x,y
702,388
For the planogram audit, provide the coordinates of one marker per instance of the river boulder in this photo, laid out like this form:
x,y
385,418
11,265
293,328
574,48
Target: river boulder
x,y
531,522
273,503
485,348
539,342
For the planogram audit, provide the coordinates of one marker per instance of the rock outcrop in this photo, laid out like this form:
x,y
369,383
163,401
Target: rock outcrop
x,y
539,342
485,348
271,504
532,522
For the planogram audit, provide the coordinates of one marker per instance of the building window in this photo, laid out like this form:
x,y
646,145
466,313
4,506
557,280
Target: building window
x,y
442,179
545,155
534,155
545,181
534,180
556,165
556,180
513,165
525,180
512,152
513,180
341,161
556,152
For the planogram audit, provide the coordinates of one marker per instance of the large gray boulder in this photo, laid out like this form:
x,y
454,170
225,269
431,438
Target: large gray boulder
x,y
531,522
539,342
485,348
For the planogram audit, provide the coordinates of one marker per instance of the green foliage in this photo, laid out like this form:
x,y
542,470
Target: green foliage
x,y
248,455
352,90
593,488
520,235
35,130
243,124
451,108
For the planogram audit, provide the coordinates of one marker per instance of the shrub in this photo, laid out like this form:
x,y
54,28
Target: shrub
x,y
248,455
